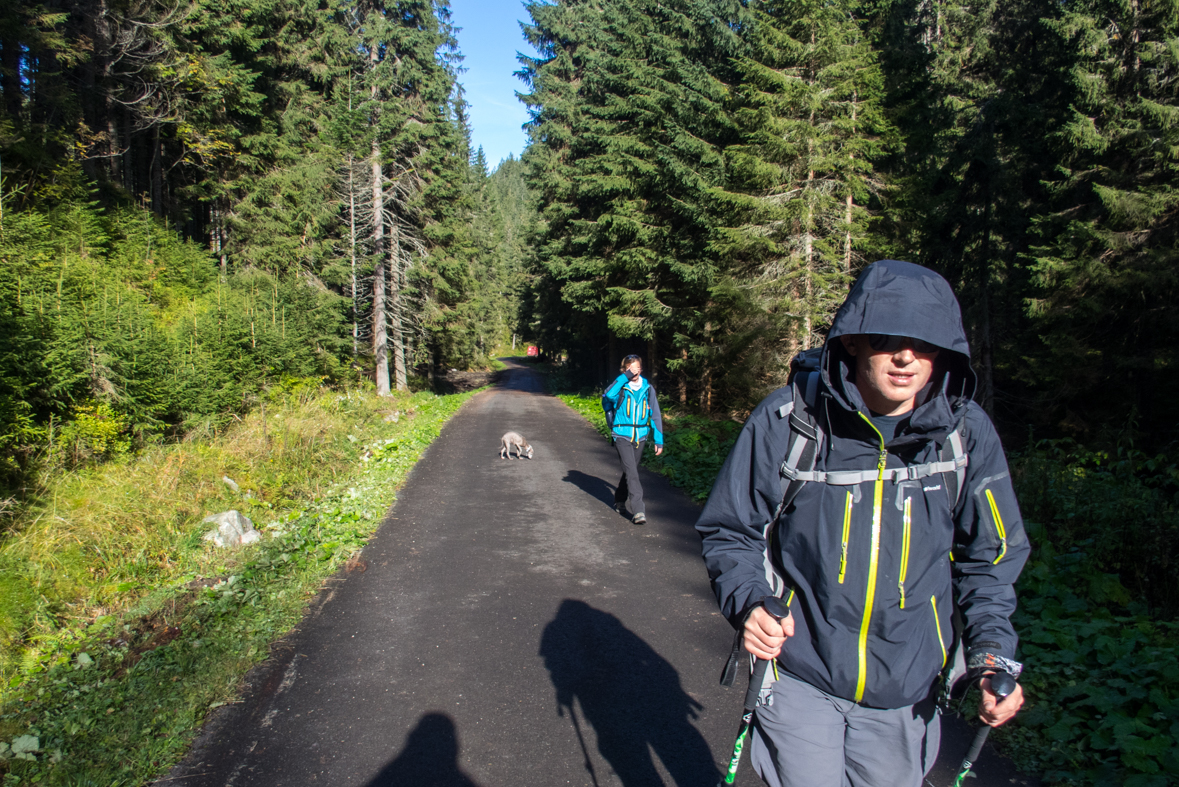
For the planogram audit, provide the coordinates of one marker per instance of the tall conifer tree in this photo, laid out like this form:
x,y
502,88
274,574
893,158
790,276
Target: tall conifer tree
x,y
810,109
1106,263
628,121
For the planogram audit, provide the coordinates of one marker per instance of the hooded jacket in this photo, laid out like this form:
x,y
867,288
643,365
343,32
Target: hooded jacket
x,y
631,413
874,571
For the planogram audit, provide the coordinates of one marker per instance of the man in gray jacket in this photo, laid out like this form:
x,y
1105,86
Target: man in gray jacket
x,y
879,546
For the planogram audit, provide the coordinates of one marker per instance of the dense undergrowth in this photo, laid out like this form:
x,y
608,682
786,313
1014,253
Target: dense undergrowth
x,y
1099,600
120,627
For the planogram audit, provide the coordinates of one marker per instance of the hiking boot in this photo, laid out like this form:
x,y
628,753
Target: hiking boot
x,y
639,518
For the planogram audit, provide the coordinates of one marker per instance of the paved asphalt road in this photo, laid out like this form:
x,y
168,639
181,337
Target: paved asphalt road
x,y
510,629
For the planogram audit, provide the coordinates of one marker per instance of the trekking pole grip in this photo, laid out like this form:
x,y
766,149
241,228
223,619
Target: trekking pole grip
x,y
1002,685
777,609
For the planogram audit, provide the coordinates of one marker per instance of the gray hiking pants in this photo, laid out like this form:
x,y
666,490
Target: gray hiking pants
x,y
808,738
629,486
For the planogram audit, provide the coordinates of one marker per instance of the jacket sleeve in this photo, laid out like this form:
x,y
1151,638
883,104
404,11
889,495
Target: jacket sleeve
x,y
990,544
656,415
743,500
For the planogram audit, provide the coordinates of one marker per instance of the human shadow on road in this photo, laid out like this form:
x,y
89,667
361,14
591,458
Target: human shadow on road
x,y
629,694
430,757
592,485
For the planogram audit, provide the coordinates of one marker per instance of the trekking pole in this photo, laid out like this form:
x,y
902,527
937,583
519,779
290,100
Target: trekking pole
x,y
1002,684
777,609
589,766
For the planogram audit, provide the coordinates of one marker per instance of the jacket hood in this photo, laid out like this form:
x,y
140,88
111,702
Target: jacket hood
x,y
903,299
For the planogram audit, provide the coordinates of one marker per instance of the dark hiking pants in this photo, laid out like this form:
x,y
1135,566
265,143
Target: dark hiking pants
x,y
629,486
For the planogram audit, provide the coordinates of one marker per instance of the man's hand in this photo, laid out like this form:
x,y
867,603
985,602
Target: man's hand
x,y
658,450
765,636
991,710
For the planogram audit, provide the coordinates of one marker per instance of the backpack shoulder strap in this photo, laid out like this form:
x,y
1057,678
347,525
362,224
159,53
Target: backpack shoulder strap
x,y
953,452
806,436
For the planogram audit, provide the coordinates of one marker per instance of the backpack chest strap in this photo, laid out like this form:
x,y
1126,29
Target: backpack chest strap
x,y
853,477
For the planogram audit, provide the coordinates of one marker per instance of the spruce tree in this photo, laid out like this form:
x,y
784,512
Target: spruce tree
x,y
802,178
970,84
627,123
1105,259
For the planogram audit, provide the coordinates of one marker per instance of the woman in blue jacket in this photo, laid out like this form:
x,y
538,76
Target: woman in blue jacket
x,y
632,412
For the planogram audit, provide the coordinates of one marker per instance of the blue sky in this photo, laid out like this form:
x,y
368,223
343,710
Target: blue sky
x,y
489,39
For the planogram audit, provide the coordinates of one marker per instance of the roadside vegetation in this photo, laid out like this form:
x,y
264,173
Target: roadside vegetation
x,y
121,627
1099,600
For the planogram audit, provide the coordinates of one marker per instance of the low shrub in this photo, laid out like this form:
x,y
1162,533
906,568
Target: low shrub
x,y
1120,508
1097,604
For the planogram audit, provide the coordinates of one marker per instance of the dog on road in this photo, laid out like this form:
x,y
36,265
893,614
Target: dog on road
x,y
514,439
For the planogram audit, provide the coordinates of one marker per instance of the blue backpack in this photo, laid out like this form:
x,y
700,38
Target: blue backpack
x,y
631,409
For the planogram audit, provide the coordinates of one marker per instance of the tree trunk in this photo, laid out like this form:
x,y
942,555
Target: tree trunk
x,y
352,251
380,341
986,377
683,378
652,367
612,358
157,174
706,380
847,215
10,57
808,284
395,274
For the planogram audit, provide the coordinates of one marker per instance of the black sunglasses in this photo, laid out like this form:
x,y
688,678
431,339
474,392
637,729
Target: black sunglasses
x,y
887,343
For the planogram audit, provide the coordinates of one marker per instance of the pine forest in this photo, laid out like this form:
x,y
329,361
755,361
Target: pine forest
x,y
204,201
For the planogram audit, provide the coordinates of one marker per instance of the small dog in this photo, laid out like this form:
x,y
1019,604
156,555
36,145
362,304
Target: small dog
x,y
514,439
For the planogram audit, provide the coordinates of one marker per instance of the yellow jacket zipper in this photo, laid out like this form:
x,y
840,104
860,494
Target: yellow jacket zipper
x,y
938,624
847,512
998,526
873,563
905,548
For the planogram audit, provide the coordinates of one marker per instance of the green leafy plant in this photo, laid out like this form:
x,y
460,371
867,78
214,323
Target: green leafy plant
x,y
1097,601
1102,677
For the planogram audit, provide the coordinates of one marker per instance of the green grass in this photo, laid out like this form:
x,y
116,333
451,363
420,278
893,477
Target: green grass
x,y
128,627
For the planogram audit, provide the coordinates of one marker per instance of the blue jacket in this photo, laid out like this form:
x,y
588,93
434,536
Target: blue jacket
x,y
873,571
631,414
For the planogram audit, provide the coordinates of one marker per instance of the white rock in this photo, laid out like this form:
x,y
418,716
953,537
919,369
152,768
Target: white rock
x,y
232,529
231,483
